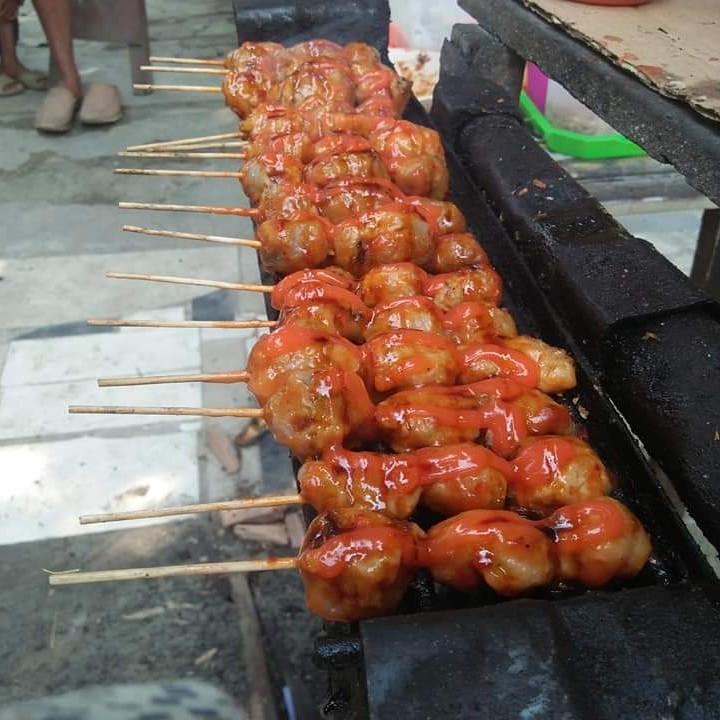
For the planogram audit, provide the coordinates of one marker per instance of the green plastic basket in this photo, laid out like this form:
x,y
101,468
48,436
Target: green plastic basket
x,y
585,147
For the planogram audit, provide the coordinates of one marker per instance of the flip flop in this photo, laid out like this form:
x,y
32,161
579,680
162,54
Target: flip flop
x,y
57,111
10,86
101,105
33,79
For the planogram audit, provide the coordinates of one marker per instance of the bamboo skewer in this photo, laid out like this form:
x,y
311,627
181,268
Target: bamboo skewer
x,y
179,88
165,571
183,69
175,280
226,378
220,239
209,209
184,155
243,504
188,61
186,141
206,145
228,324
179,173
179,411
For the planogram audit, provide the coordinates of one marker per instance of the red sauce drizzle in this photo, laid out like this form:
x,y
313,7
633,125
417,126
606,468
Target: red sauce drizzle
x,y
339,186
324,276
308,292
457,461
292,338
585,525
341,144
539,463
397,373
431,213
375,81
469,528
460,316
335,554
399,473
510,363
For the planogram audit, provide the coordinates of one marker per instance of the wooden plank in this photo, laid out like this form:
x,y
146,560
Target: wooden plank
x,y
673,47
260,702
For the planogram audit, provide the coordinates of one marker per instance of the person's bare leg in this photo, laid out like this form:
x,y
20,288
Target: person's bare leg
x,y
10,63
55,18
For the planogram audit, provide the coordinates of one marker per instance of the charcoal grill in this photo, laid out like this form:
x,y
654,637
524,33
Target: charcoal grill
x,y
647,345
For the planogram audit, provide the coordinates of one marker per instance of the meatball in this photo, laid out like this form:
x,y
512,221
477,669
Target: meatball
x,y
408,358
476,321
489,547
462,477
598,540
290,245
481,284
309,412
289,350
414,313
356,564
551,471
385,283
362,480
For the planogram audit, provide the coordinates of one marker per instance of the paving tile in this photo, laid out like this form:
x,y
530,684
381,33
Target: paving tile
x,y
49,290
173,312
101,355
32,411
247,336
65,330
43,229
229,352
218,305
47,485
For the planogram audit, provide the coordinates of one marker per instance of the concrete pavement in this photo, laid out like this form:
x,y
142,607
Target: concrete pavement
x,y
61,231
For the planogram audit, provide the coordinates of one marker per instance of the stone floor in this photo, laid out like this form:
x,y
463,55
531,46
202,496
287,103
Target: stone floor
x,y
62,232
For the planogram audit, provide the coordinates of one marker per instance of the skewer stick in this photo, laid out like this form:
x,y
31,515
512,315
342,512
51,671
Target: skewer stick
x,y
222,378
179,88
229,324
177,173
185,155
245,503
188,61
210,209
207,145
182,69
144,410
186,141
165,571
220,239
173,279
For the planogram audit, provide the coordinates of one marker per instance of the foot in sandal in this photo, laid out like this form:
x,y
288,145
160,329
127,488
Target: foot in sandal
x,y
9,86
29,79
101,105
57,111
32,79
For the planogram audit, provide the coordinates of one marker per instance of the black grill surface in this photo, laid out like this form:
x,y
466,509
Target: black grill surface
x,y
597,657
